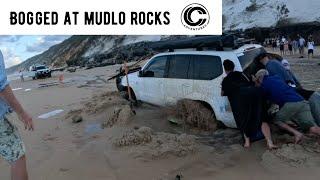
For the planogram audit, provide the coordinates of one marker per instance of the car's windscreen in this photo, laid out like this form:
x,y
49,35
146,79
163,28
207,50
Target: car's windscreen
x,y
248,56
40,67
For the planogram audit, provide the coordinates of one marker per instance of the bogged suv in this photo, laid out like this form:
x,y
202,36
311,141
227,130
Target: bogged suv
x,y
40,71
195,75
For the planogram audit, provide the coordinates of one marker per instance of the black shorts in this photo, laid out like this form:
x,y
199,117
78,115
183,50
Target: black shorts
x,y
310,51
281,47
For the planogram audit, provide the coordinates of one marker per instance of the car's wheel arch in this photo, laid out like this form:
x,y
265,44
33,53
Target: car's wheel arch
x,y
207,105
125,89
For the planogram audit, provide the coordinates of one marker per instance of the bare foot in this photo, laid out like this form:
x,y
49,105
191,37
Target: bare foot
x,y
298,138
246,142
246,145
271,146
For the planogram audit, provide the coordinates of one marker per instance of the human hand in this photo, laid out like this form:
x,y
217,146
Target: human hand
x,y
27,121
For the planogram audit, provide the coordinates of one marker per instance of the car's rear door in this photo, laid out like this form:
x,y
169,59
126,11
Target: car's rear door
x,y
208,75
179,83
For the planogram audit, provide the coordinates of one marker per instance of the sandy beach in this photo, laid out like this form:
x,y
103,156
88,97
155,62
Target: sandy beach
x,y
112,143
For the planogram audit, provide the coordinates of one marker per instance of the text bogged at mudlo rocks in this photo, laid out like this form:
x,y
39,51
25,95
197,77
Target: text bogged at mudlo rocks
x,y
90,18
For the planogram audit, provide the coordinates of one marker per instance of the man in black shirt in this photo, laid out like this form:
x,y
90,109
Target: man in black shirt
x,y
247,103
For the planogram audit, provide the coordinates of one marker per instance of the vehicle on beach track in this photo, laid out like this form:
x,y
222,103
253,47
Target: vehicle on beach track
x,y
39,71
195,75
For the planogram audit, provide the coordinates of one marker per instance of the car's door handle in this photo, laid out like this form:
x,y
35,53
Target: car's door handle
x,y
186,85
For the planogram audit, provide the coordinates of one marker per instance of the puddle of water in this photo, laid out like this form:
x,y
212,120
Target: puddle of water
x,y
92,128
16,89
50,114
27,90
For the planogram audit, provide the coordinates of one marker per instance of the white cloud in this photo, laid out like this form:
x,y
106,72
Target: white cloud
x,y
10,59
14,61
44,42
9,39
15,49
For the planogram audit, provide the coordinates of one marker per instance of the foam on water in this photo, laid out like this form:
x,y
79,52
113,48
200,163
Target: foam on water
x,y
50,114
16,89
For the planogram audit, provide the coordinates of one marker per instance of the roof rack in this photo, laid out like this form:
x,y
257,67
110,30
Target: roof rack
x,y
203,42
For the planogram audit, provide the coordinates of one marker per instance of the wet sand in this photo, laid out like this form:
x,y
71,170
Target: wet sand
x,y
111,143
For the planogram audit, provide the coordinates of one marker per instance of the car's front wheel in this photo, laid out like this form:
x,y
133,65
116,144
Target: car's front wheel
x,y
125,94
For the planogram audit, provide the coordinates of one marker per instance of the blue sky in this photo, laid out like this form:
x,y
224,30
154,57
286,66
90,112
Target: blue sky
x,y
16,49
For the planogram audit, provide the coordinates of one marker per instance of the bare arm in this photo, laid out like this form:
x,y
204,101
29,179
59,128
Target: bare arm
x,y
10,98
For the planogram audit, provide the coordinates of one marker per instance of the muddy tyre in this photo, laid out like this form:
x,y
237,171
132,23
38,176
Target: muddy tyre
x,y
196,114
124,95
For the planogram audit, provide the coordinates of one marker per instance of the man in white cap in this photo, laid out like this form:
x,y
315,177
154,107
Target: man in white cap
x,y
286,65
312,96
11,146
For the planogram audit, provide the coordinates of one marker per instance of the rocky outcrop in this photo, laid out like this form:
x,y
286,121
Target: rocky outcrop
x,y
94,51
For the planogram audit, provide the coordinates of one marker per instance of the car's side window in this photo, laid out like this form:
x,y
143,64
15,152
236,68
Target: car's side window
x,y
157,67
179,66
206,67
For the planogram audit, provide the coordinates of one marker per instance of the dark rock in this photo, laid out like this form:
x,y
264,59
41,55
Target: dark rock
x,y
77,119
71,69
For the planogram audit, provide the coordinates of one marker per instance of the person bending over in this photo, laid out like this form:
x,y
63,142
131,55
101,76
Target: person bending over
x,y
292,106
274,67
313,97
285,73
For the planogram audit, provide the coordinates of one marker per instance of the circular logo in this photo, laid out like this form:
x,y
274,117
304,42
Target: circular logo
x,y
195,17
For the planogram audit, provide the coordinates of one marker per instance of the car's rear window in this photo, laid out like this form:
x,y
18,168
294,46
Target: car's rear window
x,y
179,67
206,67
248,56
199,67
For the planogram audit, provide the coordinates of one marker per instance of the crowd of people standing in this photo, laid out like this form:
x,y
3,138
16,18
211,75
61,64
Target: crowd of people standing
x,y
292,46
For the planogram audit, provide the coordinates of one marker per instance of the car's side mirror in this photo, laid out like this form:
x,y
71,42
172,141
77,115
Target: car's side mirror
x,y
146,74
149,74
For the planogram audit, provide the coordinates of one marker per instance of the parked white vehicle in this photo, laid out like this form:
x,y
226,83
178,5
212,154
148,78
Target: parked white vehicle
x,y
195,75
39,71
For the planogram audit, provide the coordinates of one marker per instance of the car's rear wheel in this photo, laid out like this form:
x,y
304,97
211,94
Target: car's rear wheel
x,y
197,114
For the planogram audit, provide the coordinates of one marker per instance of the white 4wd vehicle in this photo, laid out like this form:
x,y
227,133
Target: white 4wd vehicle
x,y
39,71
195,75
